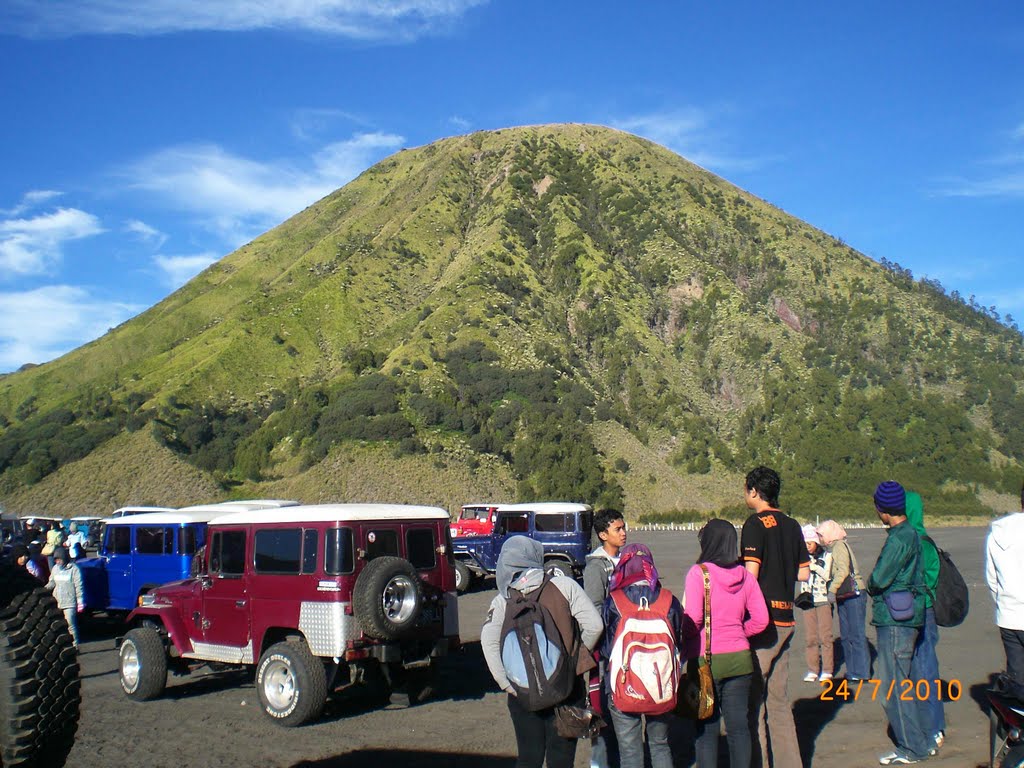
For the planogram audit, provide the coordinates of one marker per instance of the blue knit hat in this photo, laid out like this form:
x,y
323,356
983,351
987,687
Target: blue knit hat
x,y
890,497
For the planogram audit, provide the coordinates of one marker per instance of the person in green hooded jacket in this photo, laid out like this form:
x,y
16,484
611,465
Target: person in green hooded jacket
x,y
897,612
926,661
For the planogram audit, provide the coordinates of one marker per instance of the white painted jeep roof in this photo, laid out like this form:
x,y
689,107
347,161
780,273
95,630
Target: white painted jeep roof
x,y
130,511
341,513
174,517
545,507
224,507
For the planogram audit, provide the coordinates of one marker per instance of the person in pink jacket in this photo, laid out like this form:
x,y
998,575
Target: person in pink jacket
x,y
738,612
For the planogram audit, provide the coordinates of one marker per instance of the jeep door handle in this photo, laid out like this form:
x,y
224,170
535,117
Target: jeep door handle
x,y
239,603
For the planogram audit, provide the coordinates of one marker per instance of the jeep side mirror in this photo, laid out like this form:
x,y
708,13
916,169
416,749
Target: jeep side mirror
x,y
205,581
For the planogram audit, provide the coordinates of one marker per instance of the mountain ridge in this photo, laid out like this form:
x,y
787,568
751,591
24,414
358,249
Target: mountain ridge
x,y
641,290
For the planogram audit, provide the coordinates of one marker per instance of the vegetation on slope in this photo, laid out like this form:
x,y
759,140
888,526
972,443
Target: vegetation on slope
x,y
493,299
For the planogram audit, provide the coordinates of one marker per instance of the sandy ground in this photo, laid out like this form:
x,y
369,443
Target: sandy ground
x,y
215,720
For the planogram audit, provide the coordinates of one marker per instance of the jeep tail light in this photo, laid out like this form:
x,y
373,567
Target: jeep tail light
x,y
352,654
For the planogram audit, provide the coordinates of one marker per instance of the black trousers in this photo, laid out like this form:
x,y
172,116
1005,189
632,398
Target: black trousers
x,y
536,738
1013,644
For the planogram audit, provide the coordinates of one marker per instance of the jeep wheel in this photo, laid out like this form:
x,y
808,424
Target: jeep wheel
x,y
558,568
463,577
291,683
143,664
40,693
387,598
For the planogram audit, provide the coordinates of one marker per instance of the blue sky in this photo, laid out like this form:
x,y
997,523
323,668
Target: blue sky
x,y
138,147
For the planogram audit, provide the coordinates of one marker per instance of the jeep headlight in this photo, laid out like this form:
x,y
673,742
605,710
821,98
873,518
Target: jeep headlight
x,y
147,599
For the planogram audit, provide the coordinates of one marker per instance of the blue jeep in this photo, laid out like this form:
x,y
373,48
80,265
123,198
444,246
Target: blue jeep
x,y
563,528
144,547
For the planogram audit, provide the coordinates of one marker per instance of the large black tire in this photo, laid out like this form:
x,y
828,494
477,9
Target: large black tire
x,y
142,664
291,683
40,691
463,577
387,598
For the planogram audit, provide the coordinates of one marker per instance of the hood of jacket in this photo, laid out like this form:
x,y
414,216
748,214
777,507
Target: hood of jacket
x,y
729,579
519,554
600,554
915,512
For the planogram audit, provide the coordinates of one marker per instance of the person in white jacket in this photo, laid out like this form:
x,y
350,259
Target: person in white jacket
x,y
1004,572
66,584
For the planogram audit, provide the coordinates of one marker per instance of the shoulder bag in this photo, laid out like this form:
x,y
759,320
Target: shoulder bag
x,y
697,689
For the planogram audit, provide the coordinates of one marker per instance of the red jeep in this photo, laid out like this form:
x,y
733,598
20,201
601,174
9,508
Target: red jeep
x,y
475,520
318,598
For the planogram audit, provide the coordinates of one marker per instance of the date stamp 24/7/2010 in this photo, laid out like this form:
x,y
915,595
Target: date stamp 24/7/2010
x,y
905,690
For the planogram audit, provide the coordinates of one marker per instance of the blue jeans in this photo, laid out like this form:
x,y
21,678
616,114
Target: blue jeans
x,y
907,718
1013,645
926,667
604,749
732,700
852,614
629,732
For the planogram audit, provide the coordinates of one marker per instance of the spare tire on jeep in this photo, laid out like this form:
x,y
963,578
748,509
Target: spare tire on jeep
x,y
40,692
387,598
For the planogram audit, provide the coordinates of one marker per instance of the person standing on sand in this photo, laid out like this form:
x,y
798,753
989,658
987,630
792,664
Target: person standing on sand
x,y
1004,574
773,550
66,584
897,613
852,606
610,528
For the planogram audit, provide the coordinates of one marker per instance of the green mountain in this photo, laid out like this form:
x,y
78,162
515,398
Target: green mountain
x,y
561,311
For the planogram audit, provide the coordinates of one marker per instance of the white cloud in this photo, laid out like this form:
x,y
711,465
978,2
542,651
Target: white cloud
x,y
1010,184
44,323
34,245
238,198
30,200
689,132
145,232
359,19
460,123
178,270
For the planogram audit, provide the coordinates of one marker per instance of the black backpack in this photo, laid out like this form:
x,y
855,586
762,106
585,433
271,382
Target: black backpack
x,y
541,670
950,599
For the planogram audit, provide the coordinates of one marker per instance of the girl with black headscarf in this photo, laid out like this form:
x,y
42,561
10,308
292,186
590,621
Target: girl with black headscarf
x,y
738,612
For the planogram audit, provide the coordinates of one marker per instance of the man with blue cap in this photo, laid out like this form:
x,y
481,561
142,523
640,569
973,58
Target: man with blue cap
x,y
898,615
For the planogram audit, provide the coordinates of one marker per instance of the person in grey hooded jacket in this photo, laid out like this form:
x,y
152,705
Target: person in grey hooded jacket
x,y
521,567
66,584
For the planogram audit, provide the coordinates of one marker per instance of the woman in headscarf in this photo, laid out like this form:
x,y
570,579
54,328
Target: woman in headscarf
x,y
637,579
521,567
817,614
738,612
847,589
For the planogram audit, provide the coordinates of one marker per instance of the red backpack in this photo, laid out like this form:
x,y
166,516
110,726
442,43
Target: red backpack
x,y
644,663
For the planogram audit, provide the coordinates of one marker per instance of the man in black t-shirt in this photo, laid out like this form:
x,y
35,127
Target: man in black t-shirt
x,y
773,550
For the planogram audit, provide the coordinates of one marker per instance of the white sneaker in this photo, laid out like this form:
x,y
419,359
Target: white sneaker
x,y
825,676
811,677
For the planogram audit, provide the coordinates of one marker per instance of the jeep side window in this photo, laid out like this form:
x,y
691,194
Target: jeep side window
x,y
420,548
338,556
516,522
227,553
188,541
382,542
278,550
119,540
310,537
157,540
